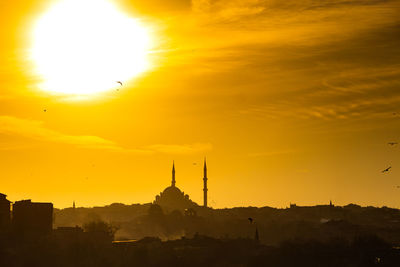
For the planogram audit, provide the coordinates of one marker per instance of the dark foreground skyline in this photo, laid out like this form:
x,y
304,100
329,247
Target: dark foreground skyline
x,y
158,235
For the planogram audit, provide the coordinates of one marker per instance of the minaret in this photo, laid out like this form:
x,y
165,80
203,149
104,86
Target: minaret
x,y
205,183
173,174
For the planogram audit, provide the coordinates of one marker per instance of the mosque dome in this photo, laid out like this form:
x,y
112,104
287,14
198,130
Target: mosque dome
x,y
172,198
172,190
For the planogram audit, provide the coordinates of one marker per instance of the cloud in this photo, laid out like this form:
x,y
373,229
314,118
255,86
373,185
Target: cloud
x,y
304,60
253,36
157,7
244,8
379,107
354,92
33,129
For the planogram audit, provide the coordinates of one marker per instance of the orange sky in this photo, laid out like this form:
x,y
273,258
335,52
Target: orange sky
x,y
290,101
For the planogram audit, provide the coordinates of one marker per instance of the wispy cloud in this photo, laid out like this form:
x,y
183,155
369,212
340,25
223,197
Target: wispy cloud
x,y
366,108
35,130
364,92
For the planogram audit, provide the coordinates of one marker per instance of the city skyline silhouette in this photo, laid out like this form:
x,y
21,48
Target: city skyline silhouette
x,y
199,133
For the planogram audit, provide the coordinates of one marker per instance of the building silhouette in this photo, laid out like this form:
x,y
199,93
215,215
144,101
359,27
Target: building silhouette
x,y
5,216
32,218
172,198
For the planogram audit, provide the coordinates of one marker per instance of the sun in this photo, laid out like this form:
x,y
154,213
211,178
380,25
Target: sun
x,y
83,47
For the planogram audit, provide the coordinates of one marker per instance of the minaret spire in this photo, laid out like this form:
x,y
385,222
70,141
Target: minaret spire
x,y
205,189
173,174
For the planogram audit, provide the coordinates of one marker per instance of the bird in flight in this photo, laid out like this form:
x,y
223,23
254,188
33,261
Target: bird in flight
x,y
119,82
392,143
387,169
44,110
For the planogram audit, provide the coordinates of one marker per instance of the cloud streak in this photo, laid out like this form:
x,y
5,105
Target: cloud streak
x,y
33,129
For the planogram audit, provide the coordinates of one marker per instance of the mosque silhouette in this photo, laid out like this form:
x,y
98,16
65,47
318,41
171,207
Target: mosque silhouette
x,y
172,198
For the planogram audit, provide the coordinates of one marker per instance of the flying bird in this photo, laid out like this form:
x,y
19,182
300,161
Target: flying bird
x,y
44,110
387,169
392,143
119,82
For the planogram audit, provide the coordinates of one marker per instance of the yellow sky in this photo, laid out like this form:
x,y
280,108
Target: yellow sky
x,y
291,101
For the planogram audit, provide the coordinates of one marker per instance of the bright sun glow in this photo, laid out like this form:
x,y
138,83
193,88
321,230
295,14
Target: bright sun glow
x,y
82,47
